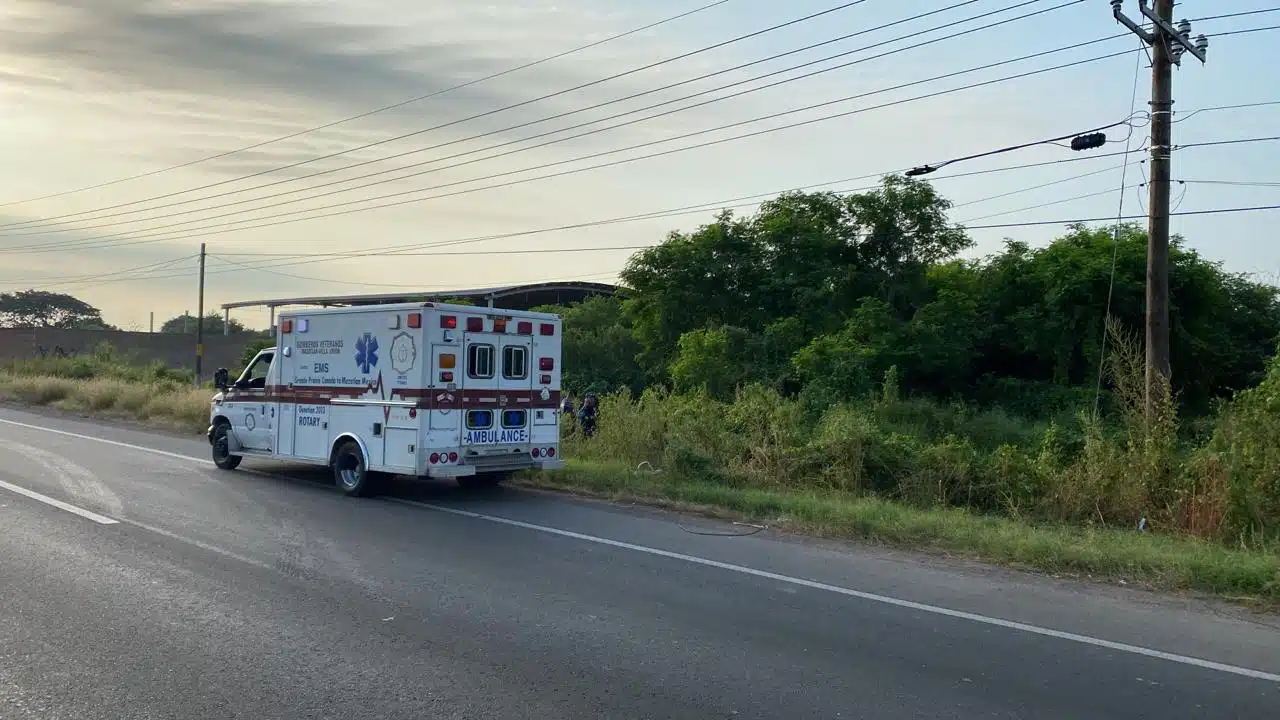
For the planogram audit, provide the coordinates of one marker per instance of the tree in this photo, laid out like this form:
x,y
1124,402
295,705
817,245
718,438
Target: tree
x,y
599,349
186,324
43,309
809,256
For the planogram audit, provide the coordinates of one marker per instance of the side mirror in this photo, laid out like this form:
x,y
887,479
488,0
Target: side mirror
x,y
220,379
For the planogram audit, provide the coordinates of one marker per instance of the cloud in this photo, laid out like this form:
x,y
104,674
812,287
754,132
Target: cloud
x,y
215,75
240,50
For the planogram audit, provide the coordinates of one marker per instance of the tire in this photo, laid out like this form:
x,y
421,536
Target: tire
x,y
351,472
481,480
221,456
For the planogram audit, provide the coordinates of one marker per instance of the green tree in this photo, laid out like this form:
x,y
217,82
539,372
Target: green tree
x,y
186,324
809,256
43,309
599,348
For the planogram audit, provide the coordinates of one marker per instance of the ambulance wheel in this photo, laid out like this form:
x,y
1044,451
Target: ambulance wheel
x,y
481,480
350,471
222,457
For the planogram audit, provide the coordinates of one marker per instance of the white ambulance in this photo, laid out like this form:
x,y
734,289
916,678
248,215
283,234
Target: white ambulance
x,y
423,389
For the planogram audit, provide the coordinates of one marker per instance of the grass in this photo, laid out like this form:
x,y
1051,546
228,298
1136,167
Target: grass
x,y
105,384
1155,561
903,472
164,405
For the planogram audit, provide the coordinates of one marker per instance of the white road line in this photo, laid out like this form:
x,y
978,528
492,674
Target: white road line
x,y
104,441
934,609
89,514
872,597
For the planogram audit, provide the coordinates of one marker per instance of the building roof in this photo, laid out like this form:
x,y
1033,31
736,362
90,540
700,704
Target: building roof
x,y
513,297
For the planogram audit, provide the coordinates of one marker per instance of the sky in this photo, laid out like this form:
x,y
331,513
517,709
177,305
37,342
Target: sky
x,y
100,92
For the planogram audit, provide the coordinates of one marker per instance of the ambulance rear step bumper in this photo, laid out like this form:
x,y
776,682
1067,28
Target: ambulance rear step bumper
x,y
450,471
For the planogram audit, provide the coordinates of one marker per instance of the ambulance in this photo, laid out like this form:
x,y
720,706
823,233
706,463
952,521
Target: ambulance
x,y
421,389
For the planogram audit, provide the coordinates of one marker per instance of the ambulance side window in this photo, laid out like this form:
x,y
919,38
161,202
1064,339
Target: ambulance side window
x,y
515,363
255,376
480,361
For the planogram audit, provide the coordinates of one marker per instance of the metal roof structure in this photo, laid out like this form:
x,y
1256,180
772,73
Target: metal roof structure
x,y
513,297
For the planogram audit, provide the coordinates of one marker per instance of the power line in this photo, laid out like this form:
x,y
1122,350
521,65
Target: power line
x,y
513,106
991,226
1115,234
76,279
199,231
1239,183
696,208
1061,201
705,206
51,220
189,233
734,203
926,169
1077,221
337,256
1235,15
1227,142
216,228
382,109
1227,107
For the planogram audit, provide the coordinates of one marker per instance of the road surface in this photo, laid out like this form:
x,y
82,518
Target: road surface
x,y
137,581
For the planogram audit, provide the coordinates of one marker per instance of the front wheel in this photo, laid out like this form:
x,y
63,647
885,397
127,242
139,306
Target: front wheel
x,y
350,471
222,456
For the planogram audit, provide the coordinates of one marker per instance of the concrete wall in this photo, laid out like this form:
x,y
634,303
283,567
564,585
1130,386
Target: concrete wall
x,y
177,351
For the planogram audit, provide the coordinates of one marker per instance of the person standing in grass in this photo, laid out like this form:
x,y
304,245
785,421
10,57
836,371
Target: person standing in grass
x,y
567,415
587,415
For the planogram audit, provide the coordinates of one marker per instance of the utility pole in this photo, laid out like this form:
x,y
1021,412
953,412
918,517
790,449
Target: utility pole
x,y
1168,44
200,321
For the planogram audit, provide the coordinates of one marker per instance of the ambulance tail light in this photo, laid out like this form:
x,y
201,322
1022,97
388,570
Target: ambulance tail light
x,y
546,364
551,452
449,322
546,379
453,457
546,329
435,458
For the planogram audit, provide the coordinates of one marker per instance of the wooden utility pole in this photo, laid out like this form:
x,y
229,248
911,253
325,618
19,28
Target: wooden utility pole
x,y
200,321
1168,44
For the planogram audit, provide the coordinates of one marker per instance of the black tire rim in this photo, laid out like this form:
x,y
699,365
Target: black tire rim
x,y
349,472
220,445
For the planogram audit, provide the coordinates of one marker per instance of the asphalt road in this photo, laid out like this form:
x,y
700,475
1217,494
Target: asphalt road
x,y
144,583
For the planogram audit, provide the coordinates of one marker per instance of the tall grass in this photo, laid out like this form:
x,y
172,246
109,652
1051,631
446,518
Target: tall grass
x,y
1132,474
106,384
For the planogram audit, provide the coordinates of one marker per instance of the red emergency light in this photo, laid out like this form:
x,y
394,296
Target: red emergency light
x,y
415,320
449,322
546,329
475,324
524,328
546,364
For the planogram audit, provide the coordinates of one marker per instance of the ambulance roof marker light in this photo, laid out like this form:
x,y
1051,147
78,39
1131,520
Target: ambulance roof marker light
x,y
415,320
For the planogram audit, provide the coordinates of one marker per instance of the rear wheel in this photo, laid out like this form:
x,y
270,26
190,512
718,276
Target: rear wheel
x,y
350,471
482,480
222,456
